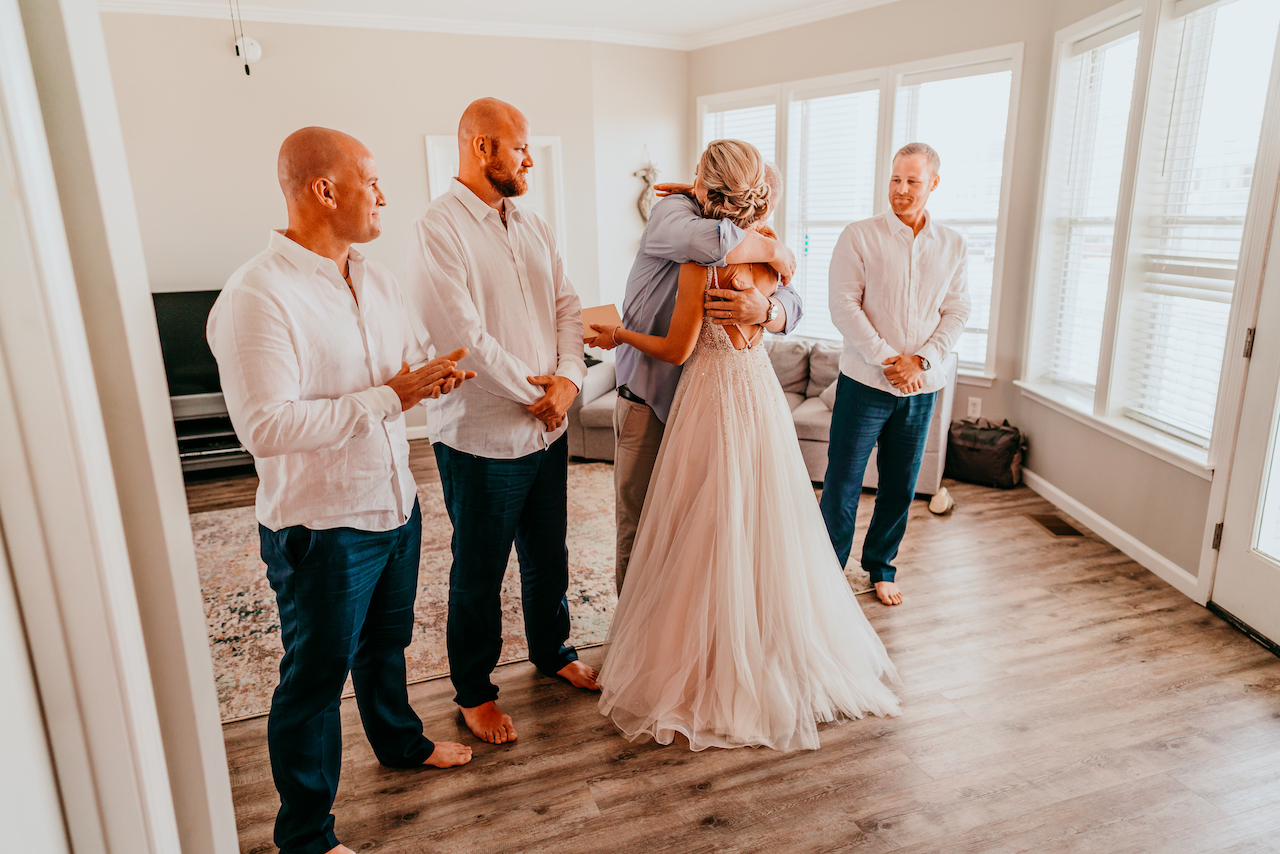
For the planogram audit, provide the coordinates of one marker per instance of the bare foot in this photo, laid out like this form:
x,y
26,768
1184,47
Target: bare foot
x,y
448,754
888,593
580,676
489,723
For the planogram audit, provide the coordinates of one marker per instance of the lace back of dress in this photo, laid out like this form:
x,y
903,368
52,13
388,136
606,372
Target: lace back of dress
x,y
713,337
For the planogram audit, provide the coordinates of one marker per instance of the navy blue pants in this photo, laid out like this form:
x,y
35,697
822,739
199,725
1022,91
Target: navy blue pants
x,y
493,504
862,418
346,605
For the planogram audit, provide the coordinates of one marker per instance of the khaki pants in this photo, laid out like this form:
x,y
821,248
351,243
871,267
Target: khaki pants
x,y
639,435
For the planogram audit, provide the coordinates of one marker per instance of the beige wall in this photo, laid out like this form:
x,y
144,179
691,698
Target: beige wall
x,y
202,137
639,100
1159,504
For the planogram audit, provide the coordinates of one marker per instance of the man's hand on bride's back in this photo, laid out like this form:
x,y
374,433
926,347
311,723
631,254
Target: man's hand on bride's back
x,y
672,189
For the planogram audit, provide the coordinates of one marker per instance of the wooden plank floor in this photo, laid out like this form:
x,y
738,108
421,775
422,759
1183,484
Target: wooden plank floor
x,y
1059,698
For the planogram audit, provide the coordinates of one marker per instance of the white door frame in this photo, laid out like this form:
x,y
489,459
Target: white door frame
x,y
91,494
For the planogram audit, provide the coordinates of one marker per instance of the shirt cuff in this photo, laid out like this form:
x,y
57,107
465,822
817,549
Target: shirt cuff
x,y
384,402
932,353
575,372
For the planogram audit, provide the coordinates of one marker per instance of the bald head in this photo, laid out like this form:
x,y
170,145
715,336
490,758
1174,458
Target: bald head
x,y
330,182
313,153
493,149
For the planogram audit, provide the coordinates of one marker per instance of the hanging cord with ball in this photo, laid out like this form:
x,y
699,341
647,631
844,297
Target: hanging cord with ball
x,y
234,6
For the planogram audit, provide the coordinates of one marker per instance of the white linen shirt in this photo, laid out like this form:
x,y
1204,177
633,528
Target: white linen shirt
x,y
894,293
501,292
303,371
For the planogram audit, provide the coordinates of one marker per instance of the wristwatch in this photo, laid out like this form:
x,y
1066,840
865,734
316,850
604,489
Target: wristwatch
x,y
924,363
775,308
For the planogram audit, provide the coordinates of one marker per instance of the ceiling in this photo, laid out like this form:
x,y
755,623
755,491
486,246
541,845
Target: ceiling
x,y
677,24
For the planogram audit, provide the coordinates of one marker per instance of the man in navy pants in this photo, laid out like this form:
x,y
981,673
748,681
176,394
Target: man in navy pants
x,y
899,296
313,346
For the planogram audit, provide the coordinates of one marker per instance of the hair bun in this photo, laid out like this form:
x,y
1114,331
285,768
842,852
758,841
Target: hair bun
x,y
732,171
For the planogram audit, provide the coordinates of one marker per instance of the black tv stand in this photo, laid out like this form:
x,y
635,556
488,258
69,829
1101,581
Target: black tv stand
x,y
206,439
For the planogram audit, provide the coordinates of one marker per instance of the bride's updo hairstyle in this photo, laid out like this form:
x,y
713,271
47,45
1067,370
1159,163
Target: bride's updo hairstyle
x,y
732,173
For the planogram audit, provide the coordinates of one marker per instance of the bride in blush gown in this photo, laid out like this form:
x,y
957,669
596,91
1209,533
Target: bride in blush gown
x,y
735,626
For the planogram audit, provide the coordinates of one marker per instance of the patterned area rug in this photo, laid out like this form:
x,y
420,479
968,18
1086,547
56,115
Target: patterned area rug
x,y
244,626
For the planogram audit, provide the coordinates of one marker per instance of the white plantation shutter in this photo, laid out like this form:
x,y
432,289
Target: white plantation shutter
x,y
757,125
1189,243
963,113
831,172
1082,194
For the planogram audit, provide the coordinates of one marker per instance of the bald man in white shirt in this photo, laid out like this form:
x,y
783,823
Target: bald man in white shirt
x,y
313,348
486,274
899,296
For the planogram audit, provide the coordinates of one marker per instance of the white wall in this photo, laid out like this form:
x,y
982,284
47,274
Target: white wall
x,y
1153,501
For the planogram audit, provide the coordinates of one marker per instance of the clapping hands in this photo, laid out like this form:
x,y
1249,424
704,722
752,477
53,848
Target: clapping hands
x,y
437,377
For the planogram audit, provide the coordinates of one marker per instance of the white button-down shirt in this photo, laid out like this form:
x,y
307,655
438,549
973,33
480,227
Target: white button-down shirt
x,y
303,371
894,293
502,292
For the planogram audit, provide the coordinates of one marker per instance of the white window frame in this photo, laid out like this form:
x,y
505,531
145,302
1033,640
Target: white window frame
x,y
988,60
1103,413
758,96
888,78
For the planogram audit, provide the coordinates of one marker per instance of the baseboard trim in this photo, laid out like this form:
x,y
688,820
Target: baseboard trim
x,y
418,432
1167,570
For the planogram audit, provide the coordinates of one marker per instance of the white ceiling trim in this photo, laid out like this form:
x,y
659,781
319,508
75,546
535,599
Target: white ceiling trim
x,y
821,12
372,20
422,23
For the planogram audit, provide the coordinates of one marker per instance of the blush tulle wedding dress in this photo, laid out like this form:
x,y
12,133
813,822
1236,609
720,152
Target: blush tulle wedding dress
x,y
735,626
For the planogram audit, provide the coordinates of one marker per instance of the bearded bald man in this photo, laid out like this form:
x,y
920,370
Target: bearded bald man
x,y
486,274
313,350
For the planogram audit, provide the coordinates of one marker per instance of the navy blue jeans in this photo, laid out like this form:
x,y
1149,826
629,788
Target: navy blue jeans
x,y
346,605
493,504
862,418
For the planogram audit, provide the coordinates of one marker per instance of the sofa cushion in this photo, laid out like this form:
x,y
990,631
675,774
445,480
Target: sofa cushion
x,y
790,359
813,420
599,412
828,397
824,366
793,399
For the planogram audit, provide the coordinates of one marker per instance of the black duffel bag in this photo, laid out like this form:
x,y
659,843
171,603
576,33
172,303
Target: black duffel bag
x,y
984,453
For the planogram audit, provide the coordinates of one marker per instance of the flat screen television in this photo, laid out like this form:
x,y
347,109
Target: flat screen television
x,y
188,361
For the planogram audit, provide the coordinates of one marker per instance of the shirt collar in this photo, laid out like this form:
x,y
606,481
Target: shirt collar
x,y
899,225
476,205
306,261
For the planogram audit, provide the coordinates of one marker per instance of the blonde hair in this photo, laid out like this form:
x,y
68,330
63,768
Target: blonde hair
x,y
912,149
732,173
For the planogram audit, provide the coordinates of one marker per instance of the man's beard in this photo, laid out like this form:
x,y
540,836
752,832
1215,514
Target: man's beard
x,y
507,183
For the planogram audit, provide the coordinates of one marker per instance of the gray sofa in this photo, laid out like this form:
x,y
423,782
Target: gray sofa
x,y
807,370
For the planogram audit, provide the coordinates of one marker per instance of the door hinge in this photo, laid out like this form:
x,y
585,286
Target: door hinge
x,y
1248,343
1217,536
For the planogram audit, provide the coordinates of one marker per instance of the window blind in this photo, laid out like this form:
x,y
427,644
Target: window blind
x,y
1189,245
831,170
964,118
757,125
1090,127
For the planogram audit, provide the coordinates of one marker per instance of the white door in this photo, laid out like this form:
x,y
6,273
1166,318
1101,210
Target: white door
x,y
1248,577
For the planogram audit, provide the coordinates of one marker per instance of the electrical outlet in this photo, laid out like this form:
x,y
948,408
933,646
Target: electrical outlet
x,y
975,407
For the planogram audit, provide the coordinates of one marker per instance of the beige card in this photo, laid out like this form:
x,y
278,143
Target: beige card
x,y
605,315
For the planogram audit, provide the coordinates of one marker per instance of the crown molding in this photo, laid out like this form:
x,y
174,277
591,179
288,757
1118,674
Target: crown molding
x,y
376,21
820,12
422,23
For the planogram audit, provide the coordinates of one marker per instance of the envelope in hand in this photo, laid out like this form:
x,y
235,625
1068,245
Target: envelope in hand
x,y
605,315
